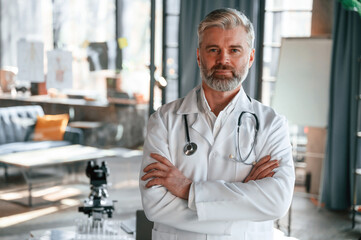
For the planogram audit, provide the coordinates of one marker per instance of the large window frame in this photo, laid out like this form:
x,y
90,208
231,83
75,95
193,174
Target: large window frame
x,y
124,69
279,9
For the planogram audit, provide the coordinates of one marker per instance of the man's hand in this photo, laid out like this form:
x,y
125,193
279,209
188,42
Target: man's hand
x,y
166,174
262,169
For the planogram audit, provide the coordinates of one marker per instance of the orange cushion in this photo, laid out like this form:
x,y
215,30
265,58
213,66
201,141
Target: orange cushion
x,y
50,127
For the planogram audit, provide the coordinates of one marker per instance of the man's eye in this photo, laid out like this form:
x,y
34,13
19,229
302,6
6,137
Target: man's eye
x,y
235,50
213,50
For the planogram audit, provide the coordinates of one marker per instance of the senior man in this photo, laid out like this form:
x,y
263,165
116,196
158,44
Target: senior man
x,y
217,164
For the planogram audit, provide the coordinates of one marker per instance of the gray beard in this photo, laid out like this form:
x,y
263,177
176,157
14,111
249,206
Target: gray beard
x,y
223,84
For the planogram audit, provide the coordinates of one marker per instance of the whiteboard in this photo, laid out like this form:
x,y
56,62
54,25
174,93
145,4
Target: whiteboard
x,y
303,81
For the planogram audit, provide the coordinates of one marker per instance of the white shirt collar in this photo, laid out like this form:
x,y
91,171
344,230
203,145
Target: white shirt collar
x,y
194,96
227,110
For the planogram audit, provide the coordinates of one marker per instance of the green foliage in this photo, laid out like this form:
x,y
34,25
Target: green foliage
x,y
354,5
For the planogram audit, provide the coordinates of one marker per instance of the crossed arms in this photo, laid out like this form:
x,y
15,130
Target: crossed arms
x,y
164,173
264,195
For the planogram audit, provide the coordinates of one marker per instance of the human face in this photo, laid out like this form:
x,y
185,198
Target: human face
x,y
224,57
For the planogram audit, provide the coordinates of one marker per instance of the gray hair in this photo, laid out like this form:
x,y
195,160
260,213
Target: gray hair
x,y
226,18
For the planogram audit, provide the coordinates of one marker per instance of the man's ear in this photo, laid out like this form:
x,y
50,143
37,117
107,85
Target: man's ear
x,y
198,57
251,58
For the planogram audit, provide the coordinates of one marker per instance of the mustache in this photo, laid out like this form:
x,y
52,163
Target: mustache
x,y
222,67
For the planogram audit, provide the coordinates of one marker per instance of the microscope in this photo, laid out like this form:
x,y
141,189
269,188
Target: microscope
x,y
97,204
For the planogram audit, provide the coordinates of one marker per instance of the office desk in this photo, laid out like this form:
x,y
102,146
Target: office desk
x,y
123,120
30,160
69,101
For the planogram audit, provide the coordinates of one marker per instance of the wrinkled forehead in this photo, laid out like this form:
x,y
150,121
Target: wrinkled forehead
x,y
216,35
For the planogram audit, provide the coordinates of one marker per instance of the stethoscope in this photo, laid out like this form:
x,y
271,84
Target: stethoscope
x,y
191,147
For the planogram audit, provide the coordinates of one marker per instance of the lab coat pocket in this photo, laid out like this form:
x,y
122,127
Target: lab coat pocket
x,y
157,235
264,235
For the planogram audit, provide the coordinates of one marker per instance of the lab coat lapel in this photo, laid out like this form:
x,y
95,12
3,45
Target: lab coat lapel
x,y
201,126
191,108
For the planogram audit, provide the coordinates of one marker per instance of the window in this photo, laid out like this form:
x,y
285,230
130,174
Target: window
x,y
283,18
105,38
171,23
87,29
31,20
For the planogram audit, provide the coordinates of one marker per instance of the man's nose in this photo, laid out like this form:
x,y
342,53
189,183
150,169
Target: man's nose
x,y
223,58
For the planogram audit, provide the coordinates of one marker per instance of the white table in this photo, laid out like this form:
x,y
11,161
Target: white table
x,y
30,160
69,233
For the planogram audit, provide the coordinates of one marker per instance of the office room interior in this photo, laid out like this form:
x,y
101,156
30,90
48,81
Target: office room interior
x,y
80,78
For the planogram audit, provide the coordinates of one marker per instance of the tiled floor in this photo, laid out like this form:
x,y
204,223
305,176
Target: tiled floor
x,y
16,222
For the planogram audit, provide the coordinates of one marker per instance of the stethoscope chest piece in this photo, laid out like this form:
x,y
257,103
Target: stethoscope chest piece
x,y
190,148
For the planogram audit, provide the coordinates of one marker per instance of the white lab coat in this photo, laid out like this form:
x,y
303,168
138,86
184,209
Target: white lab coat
x,y
220,205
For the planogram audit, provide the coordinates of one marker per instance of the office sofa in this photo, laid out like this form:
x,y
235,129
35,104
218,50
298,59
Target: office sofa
x,y
17,126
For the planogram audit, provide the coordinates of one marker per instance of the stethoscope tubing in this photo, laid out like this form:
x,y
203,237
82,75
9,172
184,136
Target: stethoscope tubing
x,y
191,147
187,129
238,151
